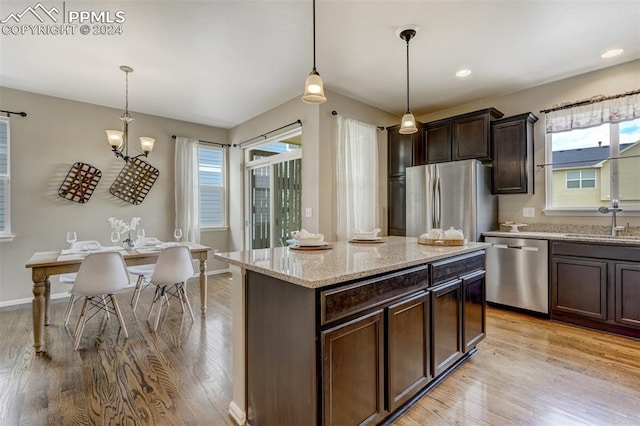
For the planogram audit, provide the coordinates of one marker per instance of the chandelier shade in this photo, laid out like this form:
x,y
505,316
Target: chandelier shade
x,y
119,140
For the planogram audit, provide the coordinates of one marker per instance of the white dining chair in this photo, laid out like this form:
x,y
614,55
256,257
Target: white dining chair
x,y
143,272
173,268
70,278
99,277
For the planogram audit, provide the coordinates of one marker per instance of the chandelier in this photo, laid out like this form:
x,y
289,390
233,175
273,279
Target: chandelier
x,y
119,140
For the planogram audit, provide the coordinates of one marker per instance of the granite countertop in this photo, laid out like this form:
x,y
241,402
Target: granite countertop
x,y
628,240
344,261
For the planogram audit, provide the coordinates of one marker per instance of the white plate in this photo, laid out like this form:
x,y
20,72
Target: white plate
x,y
312,243
366,239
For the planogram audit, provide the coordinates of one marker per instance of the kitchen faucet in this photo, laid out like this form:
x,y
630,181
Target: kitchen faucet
x,y
615,208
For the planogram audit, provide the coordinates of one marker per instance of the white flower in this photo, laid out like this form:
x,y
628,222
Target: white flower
x,y
122,226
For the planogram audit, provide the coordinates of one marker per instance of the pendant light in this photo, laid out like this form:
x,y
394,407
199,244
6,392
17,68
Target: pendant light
x,y
313,87
119,141
408,124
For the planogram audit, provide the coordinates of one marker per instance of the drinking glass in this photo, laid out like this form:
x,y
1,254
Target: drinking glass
x,y
140,233
115,237
71,238
177,234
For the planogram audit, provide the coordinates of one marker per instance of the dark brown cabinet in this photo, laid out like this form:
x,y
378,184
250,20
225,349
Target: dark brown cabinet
x,y
473,286
446,308
463,137
437,141
397,194
596,286
353,372
408,348
512,140
579,287
627,294
403,151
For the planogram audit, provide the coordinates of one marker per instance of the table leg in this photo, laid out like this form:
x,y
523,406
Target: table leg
x,y
47,299
39,290
203,285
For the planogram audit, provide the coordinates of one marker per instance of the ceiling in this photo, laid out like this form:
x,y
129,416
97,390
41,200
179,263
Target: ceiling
x,y
221,63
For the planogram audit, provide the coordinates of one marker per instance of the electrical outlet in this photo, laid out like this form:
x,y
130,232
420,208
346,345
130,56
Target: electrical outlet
x,y
308,212
528,212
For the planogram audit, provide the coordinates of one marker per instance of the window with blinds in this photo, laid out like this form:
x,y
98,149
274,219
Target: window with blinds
x,y
4,177
212,186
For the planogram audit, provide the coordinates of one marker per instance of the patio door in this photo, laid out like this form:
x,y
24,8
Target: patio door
x,y
274,177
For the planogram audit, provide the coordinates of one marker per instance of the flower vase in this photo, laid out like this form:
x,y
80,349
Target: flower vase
x,y
128,244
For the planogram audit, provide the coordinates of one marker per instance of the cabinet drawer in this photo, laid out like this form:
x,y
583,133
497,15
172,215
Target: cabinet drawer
x,y
455,267
598,251
349,299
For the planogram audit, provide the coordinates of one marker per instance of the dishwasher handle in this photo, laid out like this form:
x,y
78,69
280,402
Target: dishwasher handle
x,y
514,247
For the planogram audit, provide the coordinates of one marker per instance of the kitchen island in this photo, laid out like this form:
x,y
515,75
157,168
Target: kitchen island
x,y
351,334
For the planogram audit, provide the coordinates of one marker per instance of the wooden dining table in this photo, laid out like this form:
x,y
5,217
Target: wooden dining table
x,y
44,264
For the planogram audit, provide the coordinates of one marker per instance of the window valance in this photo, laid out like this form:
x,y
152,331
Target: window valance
x,y
594,113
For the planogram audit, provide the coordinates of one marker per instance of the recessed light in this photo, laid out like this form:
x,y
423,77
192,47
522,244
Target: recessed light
x,y
611,53
463,73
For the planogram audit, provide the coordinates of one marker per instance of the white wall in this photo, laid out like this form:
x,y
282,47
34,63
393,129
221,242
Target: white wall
x,y
57,133
317,158
609,81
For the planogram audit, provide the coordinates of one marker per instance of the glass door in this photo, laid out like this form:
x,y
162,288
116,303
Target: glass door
x,y
274,202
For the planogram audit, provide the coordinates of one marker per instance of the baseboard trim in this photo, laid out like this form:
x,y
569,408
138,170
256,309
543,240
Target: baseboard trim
x,y
236,413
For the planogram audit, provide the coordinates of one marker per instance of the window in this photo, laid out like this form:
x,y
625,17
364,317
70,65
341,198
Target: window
x,y
594,152
212,186
5,222
581,179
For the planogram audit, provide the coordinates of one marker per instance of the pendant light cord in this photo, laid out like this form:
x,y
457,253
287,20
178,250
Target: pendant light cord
x,y
314,35
408,75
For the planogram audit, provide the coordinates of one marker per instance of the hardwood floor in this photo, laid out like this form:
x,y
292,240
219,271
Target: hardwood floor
x,y
527,371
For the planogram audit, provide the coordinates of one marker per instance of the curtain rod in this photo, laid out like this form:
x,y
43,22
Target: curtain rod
x,y
335,113
264,135
21,114
212,143
584,161
593,100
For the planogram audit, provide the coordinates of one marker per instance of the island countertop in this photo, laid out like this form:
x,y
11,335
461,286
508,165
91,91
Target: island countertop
x,y
344,261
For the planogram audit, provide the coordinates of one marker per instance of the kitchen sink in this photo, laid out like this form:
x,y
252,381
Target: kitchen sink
x,y
604,237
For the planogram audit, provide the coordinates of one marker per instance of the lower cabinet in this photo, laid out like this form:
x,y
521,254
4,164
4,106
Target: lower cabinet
x,y
474,321
627,294
446,306
597,286
579,287
353,372
408,348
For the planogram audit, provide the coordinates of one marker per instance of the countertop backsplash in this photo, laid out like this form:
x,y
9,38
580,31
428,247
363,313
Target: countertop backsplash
x,y
576,229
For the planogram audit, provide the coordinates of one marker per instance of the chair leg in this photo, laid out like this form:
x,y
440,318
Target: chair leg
x,y
67,313
81,322
163,300
136,292
153,302
116,308
183,295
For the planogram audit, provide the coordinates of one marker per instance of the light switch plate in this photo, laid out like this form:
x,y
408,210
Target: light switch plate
x,y
528,212
308,212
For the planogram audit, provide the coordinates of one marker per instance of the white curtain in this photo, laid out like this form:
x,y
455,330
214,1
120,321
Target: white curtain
x,y
187,188
594,114
356,151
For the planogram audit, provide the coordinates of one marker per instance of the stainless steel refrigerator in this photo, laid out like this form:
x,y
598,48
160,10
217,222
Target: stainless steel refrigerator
x,y
455,194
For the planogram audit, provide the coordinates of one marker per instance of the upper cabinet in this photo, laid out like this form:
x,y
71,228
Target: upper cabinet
x,y
462,137
512,171
404,150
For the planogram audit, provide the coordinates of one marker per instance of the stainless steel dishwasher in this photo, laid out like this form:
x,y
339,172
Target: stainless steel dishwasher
x,y
517,273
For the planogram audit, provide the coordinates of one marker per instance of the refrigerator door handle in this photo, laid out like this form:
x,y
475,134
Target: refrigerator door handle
x,y
437,204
